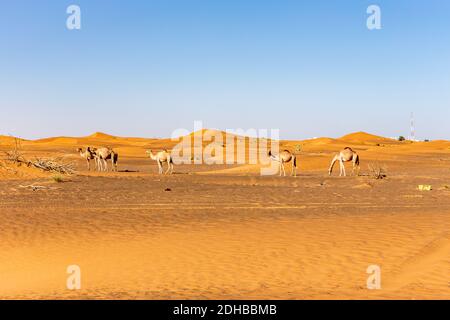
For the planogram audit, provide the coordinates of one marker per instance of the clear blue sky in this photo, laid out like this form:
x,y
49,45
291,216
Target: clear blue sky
x,y
145,68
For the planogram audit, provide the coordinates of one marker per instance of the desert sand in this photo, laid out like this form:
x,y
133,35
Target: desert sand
x,y
224,231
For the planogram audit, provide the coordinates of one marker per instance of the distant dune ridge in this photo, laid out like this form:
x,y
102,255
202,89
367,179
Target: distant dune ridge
x,y
353,138
315,153
225,231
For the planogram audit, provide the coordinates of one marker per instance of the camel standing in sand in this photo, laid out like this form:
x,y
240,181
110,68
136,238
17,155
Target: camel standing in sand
x,y
285,157
161,157
103,154
344,156
88,155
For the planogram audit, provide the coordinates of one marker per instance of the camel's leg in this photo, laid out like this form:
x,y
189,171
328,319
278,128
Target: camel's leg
x,y
330,170
114,162
160,170
88,165
105,165
168,167
343,168
294,167
340,168
284,170
355,167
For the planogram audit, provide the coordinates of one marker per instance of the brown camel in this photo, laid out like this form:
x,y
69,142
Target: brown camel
x,y
103,154
161,157
284,157
88,155
345,155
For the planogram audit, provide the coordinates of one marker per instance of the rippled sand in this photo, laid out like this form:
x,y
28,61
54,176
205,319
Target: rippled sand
x,y
229,233
224,237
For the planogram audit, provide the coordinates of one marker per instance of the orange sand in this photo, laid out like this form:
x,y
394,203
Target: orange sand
x,y
224,231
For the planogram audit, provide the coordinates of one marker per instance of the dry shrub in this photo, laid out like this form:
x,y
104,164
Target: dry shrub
x,y
377,171
54,165
57,165
57,178
15,155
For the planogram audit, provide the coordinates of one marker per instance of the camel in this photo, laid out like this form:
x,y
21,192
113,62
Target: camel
x,y
285,157
103,154
344,156
88,155
161,157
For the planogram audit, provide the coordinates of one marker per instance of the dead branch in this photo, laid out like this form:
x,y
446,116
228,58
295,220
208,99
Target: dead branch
x,y
36,187
377,170
16,154
54,165
47,164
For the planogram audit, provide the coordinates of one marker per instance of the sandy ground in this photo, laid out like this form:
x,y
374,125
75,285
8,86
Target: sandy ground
x,y
225,232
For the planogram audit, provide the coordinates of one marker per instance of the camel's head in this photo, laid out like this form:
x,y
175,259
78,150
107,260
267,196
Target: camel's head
x,y
79,150
92,151
149,152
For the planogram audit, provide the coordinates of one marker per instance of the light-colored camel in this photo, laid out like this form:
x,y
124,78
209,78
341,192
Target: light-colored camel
x,y
88,155
103,154
161,157
284,157
345,155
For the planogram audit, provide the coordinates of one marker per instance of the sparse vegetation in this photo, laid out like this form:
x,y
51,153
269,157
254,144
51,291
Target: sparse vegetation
x,y
15,155
401,138
57,178
54,165
377,170
47,164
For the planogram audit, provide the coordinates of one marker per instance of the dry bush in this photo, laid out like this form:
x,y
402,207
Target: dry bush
x,y
377,170
54,165
15,155
57,178
57,165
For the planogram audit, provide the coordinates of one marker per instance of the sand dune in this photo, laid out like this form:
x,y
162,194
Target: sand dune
x,y
225,231
365,138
